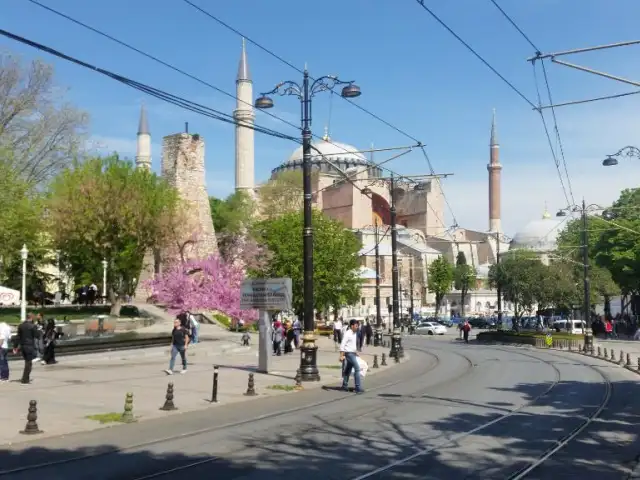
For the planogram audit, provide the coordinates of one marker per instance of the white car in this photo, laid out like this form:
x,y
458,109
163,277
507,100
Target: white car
x,y
430,328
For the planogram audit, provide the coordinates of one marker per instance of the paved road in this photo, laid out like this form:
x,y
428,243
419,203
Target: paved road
x,y
453,411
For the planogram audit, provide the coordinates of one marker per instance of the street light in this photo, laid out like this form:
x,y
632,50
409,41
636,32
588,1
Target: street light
x,y
104,279
305,92
627,151
24,253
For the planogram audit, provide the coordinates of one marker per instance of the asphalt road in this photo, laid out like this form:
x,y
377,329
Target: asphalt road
x,y
453,411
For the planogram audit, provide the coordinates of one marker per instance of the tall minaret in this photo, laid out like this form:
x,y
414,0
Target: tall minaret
x,y
143,149
244,115
494,169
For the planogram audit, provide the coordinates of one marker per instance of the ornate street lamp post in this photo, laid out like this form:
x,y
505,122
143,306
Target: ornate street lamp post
x,y
305,92
628,151
104,280
24,253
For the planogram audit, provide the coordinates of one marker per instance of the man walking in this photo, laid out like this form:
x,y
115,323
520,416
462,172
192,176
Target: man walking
x,y
5,338
179,342
26,342
349,357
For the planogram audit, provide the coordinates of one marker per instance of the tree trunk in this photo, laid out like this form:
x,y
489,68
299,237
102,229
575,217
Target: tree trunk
x,y
463,298
116,303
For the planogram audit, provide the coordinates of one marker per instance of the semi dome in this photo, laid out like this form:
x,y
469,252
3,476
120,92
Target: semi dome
x,y
342,155
538,235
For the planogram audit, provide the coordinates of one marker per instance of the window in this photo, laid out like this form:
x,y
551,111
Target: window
x,y
363,301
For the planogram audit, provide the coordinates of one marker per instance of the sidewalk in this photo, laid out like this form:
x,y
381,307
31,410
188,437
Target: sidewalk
x,y
97,384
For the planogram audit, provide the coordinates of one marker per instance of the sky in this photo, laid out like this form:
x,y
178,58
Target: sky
x,y
413,74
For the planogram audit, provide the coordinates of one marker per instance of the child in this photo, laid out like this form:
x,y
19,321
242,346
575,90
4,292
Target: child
x,y
246,338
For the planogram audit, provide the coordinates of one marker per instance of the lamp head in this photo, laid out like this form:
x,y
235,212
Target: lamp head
x,y
24,252
561,213
366,191
609,215
351,91
263,102
610,162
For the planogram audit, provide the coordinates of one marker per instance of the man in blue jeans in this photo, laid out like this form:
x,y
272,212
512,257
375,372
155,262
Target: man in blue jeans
x,y
349,357
179,342
5,343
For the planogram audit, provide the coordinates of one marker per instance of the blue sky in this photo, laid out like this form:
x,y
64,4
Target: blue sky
x,y
412,72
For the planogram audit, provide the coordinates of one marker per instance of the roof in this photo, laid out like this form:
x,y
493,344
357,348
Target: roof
x,y
369,250
333,151
143,125
538,235
243,66
418,246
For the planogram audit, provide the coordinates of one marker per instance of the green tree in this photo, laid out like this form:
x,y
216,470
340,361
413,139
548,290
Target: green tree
x,y
106,208
464,279
232,215
520,276
441,277
335,261
283,194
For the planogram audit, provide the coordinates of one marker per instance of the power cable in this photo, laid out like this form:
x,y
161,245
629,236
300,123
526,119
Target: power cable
x,y
475,53
278,57
546,80
160,94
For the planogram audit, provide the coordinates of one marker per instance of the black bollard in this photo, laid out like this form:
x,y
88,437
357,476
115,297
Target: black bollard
x,y
599,351
214,389
613,355
606,354
621,359
31,428
298,379
384,360
127,416
628,360
396,358
251,388
375,361
168,401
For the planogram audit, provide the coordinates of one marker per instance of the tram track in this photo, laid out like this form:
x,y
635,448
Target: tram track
x,y
216,428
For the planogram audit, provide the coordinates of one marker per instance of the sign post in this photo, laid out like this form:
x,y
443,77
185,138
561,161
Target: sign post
x,y
264,295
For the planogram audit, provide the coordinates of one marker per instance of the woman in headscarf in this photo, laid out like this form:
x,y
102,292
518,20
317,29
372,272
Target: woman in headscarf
x,y
49,337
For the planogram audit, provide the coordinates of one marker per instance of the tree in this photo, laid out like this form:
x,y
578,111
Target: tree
x,y
106,208
21,215
234,214
464,279
202,285
282,194
43,132
441,276
335,262
520,276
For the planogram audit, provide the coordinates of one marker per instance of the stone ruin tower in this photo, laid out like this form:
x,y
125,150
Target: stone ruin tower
x,y
183,167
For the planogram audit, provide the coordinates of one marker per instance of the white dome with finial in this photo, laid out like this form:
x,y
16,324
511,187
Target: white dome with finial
x,y
538,235
342,155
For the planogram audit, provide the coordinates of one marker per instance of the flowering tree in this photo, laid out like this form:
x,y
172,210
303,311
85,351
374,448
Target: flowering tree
x,y
197,285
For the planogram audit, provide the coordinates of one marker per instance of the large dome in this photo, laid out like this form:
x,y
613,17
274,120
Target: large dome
x,y
342,155
538,235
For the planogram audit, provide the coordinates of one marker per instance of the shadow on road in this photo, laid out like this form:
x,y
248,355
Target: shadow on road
x,y
351,444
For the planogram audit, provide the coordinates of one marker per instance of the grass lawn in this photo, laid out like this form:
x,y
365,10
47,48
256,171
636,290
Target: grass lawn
x,y
11,315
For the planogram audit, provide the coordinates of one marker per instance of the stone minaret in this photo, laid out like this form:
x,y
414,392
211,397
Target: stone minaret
x,y
143,149
244,115
494,169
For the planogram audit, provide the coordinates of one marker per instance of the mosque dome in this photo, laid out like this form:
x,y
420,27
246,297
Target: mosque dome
x,y
538,235
326,150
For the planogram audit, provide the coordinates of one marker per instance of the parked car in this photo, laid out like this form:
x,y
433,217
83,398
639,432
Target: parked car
x,y
431,328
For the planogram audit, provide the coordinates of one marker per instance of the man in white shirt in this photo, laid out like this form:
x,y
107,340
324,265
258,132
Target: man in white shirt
x,y
5,340
349,357
337,330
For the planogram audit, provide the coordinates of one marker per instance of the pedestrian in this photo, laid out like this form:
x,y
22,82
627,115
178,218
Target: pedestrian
x,y
194,328
50,337
466,328
277,335
349,357
179,343
26,341
5,339
297,331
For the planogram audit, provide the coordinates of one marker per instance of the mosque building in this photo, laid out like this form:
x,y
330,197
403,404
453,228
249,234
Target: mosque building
x,y
422,233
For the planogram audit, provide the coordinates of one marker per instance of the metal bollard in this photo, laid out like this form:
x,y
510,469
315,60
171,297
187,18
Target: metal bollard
x,y
168,400
613,355
628,360
127,416
375,361
31,428
251,387
214,388
384,361
621,359
298,379
606,354
599,351
396,358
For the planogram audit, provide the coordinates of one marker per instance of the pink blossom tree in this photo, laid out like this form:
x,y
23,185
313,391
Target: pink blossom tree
x,y
197,285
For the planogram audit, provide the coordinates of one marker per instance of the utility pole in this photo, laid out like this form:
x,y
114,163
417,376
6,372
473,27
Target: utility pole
x,y
586,306
377,337
411,285
499,285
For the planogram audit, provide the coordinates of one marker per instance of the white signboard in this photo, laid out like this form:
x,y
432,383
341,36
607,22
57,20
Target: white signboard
x,y
9,296
266,294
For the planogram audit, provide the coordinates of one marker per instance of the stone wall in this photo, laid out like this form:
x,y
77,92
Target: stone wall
x,y
183,167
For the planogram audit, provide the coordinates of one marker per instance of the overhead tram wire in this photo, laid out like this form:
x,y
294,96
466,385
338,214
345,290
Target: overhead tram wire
x,y
498,74
297,69
176,69
278,57
160,94
546,80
